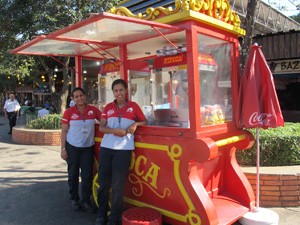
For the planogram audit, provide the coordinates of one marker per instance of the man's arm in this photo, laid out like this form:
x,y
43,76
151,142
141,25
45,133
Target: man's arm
x,y
4,110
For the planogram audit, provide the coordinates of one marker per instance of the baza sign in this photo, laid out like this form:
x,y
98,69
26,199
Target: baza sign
x,y
285,66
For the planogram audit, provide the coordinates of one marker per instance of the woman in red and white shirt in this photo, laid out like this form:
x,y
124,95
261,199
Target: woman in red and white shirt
x,y
119,121
77,144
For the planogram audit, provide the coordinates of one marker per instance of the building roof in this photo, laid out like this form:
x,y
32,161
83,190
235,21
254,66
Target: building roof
x,y
280,45
267,18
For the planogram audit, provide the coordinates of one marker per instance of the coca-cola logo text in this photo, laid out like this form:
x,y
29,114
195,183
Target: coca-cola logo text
x,y
261,119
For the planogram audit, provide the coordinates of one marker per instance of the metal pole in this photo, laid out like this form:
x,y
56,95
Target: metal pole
x,y
257,167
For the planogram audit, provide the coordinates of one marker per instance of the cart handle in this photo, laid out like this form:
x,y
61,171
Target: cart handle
x,y
230,140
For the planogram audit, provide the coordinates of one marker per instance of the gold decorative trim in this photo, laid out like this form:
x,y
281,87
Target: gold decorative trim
x,y
138,190
218,9
189,218
174,152
123,11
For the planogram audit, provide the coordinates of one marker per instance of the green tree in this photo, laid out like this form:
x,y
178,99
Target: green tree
x,y
249,27
279,5
296,17
22,20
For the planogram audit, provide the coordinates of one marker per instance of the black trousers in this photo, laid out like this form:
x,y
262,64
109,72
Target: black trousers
x,y
12,118
113,171
80,161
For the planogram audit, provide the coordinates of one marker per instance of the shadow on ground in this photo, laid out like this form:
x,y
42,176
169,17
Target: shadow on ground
x,y
39,203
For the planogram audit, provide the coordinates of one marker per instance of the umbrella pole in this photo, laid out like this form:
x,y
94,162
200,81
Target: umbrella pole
x,y
257,167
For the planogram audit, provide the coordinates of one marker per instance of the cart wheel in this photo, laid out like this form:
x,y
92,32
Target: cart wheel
x,y
95,188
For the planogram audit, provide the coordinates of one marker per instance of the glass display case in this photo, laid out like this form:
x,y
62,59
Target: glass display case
x,y
215,80
163,93
169,97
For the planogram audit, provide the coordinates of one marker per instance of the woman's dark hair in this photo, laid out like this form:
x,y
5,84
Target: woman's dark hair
x,y
78,89
119,81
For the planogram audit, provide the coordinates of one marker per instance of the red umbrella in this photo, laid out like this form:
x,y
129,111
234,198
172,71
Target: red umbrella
x,y
258,105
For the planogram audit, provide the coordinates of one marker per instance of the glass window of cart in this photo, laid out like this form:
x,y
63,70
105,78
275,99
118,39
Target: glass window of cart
x,y
138,83
90,70
105,94
90,86
139,91
169,96
215,82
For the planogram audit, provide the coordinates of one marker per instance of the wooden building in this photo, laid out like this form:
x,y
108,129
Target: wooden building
x,y
282,52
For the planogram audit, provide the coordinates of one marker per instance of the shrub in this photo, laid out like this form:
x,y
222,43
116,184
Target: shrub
x,y
49,122
278,147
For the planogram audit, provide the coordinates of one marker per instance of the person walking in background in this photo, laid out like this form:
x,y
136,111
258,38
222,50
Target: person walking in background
x,y
44,111
77,143
119,121
72,103
11,111
27,102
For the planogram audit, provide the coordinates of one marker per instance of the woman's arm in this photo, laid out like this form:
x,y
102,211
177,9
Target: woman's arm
x,y
106,130
64,130
133,127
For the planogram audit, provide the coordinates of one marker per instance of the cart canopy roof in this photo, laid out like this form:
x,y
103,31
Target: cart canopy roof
x,y
101,35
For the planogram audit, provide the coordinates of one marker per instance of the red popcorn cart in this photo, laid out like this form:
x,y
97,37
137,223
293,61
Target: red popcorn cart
x,y
182,68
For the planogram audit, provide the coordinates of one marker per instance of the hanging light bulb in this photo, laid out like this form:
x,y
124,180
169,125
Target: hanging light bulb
x,y
55,69
84,71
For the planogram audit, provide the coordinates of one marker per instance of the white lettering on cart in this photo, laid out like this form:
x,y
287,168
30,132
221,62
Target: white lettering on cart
x,y
260,119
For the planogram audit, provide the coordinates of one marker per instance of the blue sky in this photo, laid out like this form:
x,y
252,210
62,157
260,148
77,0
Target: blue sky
x,y
291,8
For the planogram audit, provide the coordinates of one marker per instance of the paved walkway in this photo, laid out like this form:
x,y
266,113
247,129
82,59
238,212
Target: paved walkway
x,y
280,170
33,186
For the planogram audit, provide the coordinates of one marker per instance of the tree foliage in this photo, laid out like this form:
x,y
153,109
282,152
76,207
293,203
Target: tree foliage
x,y
249,27
23,20
296,17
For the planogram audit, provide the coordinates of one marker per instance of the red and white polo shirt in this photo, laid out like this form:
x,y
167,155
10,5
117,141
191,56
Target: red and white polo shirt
x,y
81,130
121,118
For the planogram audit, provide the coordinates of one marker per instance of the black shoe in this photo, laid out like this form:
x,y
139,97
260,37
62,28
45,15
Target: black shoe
x,y
9,132
75,206
87,207
113,223
101,221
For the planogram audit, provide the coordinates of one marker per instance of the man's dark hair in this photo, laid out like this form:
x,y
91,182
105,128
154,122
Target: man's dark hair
x,y
119,81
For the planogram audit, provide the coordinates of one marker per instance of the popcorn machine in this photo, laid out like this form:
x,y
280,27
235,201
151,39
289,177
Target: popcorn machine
x,y
182,67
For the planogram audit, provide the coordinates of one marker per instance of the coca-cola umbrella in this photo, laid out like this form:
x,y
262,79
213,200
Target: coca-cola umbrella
x,y
258,105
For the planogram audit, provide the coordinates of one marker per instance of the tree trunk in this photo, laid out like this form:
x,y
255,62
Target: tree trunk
x,y
249,27
65,89
58,99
